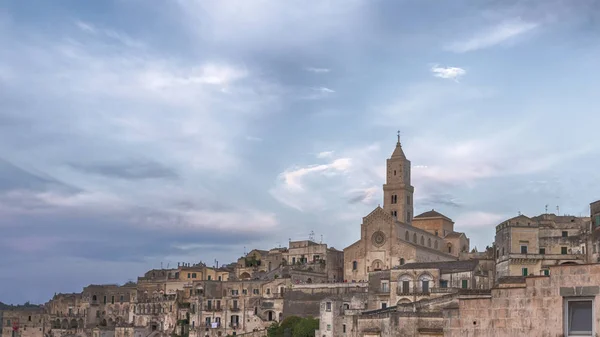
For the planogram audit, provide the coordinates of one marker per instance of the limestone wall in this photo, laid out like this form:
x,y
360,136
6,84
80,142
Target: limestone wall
x,y
536,309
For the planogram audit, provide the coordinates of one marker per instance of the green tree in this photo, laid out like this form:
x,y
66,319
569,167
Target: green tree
x,y
306,327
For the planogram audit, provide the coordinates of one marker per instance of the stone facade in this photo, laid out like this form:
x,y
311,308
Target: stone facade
x,y
529,246
538,307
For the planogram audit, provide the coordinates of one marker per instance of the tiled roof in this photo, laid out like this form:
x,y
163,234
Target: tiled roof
x,y
431,214
444,266
454,235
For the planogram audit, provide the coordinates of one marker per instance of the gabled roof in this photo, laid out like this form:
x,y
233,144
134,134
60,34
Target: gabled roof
x,y
432,214
454,235
445,266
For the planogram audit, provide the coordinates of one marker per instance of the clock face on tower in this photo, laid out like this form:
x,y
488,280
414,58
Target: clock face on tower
x,y
378,239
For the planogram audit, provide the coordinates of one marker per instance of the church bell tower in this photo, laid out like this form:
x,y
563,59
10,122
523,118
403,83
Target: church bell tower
x,y
397,190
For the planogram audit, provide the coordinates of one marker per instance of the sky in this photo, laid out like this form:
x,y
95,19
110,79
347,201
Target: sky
x,y
135,134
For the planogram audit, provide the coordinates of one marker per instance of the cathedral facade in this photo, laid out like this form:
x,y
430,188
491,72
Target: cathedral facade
x,y
392,236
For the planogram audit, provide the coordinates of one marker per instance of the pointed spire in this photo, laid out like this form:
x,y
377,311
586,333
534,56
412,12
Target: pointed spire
x,y
398,150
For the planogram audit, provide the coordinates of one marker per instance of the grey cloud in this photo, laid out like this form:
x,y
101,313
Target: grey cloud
x,y
441,199
129,170
13,177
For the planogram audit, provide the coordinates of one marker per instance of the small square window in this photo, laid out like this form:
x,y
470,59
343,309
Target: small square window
x,y
563,250
565,234
542,251
546,272
383,305
578,317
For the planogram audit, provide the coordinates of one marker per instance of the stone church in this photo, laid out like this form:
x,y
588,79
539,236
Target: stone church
x,y
391,236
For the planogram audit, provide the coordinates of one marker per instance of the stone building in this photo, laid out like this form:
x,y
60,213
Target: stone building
x,y
25,322
529,246
594,240
390,237
565,303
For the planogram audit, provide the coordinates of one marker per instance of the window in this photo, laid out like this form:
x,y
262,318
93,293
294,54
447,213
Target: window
x,y
29,318
354,265
578,317
408,199
193,275
189,275
218,304
563,250
328,306
207,320
401,261
220,278
385,287
104,299
394,199
405,287
524,271
328,327
344,328
465,284
523,249
415,237
394,172
293,260
407,216
450,248
121,299
244,291
429,242
597,223
425,285
268,291
565,234
394,213
209,277
422,241
112,299
208,304
443,284
542,251
383,305
546,272
235,304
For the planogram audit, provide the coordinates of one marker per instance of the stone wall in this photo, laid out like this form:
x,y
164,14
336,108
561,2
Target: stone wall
x,y
304,301
534,309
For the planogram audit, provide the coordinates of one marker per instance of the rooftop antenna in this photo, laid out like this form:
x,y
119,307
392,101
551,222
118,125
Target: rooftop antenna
x,y
168,263
311,236
557,210
161,267
321,239
546,209
244,250
217,263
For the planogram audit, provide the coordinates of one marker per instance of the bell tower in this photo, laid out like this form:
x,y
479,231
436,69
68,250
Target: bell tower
x,y
397,190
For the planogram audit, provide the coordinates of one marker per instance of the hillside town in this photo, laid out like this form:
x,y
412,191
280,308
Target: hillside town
x,y
408,275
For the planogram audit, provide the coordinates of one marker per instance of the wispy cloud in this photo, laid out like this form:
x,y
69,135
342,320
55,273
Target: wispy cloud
x,y
451,73
325,154
479,219
317,70
501,33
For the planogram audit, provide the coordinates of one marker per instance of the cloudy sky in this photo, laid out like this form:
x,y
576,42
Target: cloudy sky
x,y
135,133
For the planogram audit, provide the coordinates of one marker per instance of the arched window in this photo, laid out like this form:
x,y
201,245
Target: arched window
x,y
354,265
407,236
94,298
450,248
415,238
422,241
401,261
425,283
429,242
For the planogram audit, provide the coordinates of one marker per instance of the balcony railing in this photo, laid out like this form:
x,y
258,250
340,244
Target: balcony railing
x,y
234,325
413,292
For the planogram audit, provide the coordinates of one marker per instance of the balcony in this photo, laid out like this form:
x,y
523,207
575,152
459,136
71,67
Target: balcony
x,y
413,292
234,325
235,309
